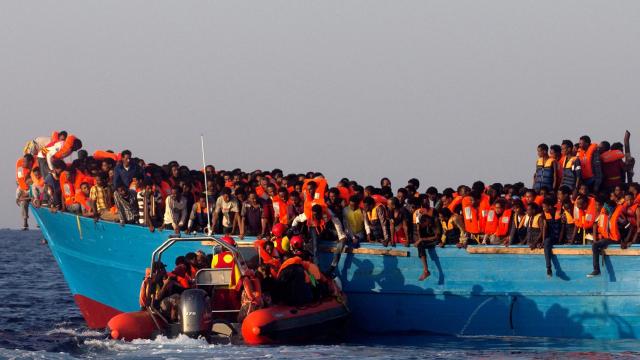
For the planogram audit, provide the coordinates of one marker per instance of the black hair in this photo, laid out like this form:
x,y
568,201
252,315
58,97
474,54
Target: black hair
x,y
432,190
369,200
606,146
617,146
543,147
586,139
225,191
62,133
556,148
125,152
567,143
415,182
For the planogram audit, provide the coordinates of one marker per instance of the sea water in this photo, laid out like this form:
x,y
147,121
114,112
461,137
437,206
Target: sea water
x,y
38,319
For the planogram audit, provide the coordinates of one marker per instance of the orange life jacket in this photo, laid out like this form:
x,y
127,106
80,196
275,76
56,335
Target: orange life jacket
x,y
503,223
608,225
585,219
457,200
631,214
280,208
470,215
143,299
318,197
539,199
611,156
268,258
82,178
22,174
345,193
66,149
484,207
586,158
491,222
67,188
379,199
102,155
252,290
311,270
55,137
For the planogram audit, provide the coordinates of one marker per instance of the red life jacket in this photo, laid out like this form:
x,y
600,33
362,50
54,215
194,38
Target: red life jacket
x,y
586,157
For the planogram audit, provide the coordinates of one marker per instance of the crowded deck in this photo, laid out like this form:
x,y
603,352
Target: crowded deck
x,y
580,193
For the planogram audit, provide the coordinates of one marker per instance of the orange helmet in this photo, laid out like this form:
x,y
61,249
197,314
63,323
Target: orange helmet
x,y
278,229
228,240
296,242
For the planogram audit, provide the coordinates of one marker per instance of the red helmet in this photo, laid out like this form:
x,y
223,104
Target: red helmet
x,y
278,229
296,242
228,240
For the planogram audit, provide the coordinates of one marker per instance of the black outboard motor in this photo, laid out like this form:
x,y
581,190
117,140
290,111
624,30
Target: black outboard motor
x,y
196,313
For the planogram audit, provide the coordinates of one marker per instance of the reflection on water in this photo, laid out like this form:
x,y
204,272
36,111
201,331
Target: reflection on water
x,y
39,319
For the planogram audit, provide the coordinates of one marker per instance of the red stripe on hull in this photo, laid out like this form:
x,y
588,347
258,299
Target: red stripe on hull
x,y
96,314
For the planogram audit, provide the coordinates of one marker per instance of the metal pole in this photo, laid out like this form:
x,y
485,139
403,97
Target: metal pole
x,y
206,194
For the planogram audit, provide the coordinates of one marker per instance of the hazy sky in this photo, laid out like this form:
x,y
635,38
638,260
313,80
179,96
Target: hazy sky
x,y
446,91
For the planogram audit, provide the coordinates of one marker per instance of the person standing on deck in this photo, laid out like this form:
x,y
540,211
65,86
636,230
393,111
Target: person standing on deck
x,y
590,165
608,229
126,171
613,167
545,175
149,205
571,171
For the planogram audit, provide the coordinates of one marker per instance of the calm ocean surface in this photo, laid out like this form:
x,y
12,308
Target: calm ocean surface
x,y
38,319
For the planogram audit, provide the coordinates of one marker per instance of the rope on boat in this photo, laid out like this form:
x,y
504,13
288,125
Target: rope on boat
x,y
473,314
79,227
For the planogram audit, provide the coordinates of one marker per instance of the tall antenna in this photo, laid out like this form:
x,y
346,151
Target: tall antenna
x,y
206,193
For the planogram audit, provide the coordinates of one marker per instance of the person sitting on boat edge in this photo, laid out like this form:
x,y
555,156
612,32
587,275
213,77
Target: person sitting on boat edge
x,y
101,200
609,228
376,221
126,202
551,232
427,235
175,214
227,206
320,224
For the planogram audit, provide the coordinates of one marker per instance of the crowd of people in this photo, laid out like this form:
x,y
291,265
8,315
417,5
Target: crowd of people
x,y
580,192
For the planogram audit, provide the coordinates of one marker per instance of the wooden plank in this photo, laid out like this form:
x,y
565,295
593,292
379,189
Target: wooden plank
x,y
365,251
556,251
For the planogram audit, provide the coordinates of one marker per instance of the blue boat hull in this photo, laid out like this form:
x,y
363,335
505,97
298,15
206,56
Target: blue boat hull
x,y
467,294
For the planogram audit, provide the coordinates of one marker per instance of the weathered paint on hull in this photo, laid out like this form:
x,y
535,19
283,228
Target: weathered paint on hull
x,y
467,294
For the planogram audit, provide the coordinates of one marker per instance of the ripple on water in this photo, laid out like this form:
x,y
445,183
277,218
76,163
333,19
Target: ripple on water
x,y
39,320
